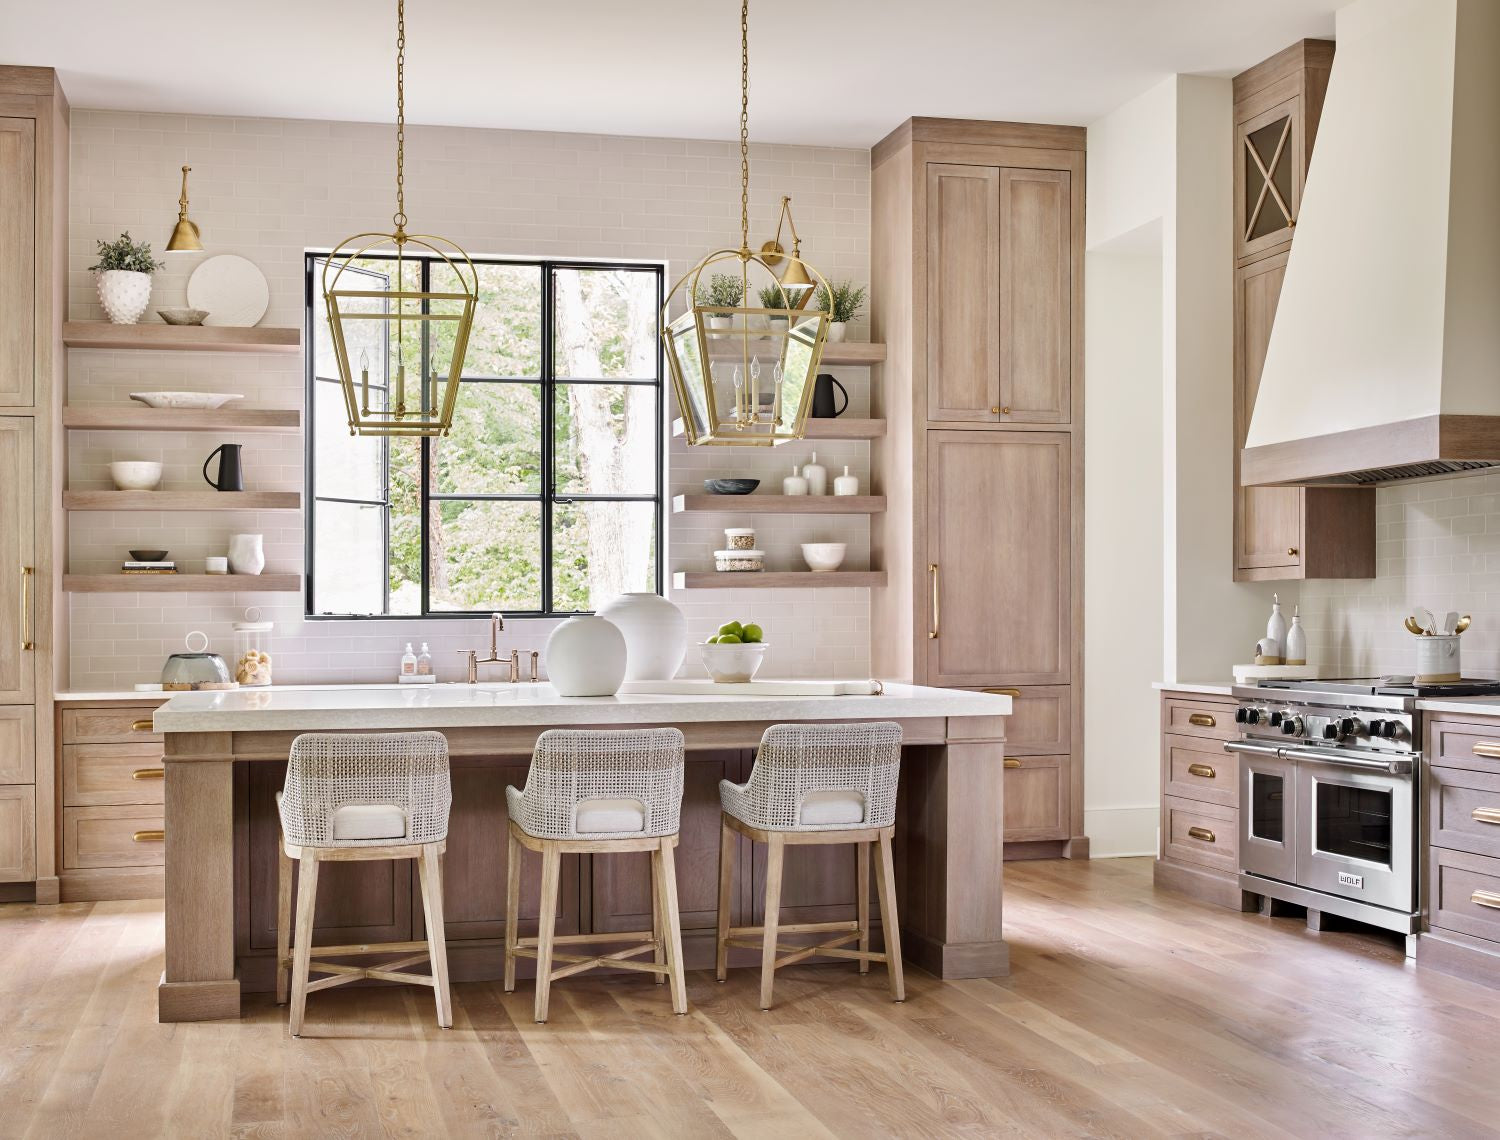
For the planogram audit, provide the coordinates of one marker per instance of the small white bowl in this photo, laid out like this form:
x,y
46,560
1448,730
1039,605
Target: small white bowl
x,y
733,664
822,557
202,400
135,474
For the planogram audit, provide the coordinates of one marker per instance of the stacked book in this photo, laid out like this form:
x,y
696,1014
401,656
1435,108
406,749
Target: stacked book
x,y
148,568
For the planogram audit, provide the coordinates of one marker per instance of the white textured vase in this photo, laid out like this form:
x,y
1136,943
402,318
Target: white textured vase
x,y
586,658
124,293
247,554
655,635
837,330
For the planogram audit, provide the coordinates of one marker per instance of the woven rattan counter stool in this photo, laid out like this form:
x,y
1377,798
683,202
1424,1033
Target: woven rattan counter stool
x,y
359,797
816,784
597,792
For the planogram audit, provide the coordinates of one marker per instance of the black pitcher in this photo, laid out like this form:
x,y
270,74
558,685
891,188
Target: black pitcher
x,y
231,477
823,398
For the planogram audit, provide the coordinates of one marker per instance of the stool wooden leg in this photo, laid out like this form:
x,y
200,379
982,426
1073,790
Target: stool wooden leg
x,y
307,896
890,924
774,850
551,859
658,908
513,858
666,888
862,887
430,871
283,923
726,882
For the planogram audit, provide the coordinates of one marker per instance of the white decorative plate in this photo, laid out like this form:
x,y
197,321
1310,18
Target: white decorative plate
x,y
231,288
207,400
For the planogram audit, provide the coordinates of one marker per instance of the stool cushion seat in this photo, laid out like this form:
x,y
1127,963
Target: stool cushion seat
x,y
834,806
369,821
615,816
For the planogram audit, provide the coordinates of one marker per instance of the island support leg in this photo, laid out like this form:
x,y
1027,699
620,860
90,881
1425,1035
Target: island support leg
x,y
199,982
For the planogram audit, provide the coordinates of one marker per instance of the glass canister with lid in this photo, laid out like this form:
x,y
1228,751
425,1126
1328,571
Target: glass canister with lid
x,y
252,649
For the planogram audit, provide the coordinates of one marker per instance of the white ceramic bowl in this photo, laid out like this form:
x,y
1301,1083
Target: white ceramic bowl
x,y
204,400
135,474
822,557
733,664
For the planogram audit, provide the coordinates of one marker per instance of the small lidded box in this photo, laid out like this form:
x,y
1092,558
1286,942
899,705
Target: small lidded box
x,y
739,537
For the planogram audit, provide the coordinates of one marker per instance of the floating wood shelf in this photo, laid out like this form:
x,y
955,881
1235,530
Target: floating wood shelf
x,y
138,418
182,500
782,504
182,583
841,428
180,338
775,579
849,352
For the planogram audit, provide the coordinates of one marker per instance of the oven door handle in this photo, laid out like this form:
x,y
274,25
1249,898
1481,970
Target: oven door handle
x,y
1401,767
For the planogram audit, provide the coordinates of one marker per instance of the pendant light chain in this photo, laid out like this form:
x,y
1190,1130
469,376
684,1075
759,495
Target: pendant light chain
x,y
745,126
400,216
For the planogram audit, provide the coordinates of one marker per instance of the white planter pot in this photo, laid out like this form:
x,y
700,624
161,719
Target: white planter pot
x,y
586,658
247,554
655,635
124,294
837,330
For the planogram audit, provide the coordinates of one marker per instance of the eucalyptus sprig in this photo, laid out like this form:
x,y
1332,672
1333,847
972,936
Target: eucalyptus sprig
x,y
847,300
131,256
724,290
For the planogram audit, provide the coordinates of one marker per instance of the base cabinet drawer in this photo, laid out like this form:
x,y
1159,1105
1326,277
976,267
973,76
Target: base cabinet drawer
x,y
1036,798
17,833
1463,810
1201,833
96,774
1040,721
1198,770
1184,716
1460,744
1464,893
128,725
112,837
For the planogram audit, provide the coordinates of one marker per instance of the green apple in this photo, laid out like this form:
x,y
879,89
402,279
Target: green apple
x,y
751,633
732,627
714,640
729,639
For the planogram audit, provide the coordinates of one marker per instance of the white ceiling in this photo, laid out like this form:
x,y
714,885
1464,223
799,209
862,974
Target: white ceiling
x,y
831,73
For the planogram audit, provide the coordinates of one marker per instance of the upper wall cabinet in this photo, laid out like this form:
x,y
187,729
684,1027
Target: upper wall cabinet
x,y
999,285
17,262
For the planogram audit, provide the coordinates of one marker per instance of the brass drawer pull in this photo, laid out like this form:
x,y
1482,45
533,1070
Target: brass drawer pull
x,y
156,836
1201,833
1291,551
140,726
1202,720
1201,770
1004,692
1486,815
1009,763
1488,748
932,568
1486,898
149,774
27,643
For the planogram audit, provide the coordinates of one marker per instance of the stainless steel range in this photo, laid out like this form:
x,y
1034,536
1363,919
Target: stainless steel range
x,y
1330,774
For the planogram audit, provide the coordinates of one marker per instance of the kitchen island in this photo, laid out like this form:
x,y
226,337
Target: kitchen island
x,y
225,758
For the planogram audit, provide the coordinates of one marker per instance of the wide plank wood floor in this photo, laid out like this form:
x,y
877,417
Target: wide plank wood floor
x,y
1130,1013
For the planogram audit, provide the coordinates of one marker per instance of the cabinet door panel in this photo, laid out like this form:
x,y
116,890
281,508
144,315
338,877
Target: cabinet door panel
x,y
1000,535
1269,530
17,551
1036,798
1036,296
17,833
1266,208
17,262
963,294
17,744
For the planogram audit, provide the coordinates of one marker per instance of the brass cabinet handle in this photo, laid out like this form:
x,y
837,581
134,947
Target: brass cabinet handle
x,y
1202,720
995,410
149,774
140,726
1004,692
27,644
156,836
1005,411
1488,748
1010,763
1291,551
1201,770
932,568
1201,833
1485,815
1486,898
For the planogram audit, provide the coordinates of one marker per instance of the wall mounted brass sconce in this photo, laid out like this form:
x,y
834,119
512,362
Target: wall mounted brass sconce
x,y
185,236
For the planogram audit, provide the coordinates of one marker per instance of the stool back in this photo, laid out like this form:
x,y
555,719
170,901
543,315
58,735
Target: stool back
x,y
795,759
326,772
576,766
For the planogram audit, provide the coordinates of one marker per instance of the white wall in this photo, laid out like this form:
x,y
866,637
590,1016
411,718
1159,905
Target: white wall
x,y
269,189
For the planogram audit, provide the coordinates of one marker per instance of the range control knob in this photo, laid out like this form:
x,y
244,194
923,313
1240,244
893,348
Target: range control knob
x,y
1331,731
1242,716
1389,729
1277,718
1291,726
1377,727
1252,716
1349,726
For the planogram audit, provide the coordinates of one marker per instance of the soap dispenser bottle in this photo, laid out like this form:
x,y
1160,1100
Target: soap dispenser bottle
x,y
1276,629
408,662
1296,640
424,662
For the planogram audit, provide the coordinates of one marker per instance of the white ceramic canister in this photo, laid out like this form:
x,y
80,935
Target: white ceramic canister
x,y
247,554
816,475
655,635
1438,660
586,657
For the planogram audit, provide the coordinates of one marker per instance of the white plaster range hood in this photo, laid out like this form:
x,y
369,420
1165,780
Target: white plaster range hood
x,y
1384,357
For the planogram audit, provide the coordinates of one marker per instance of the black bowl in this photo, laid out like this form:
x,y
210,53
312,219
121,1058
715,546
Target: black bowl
x,y
149,555
730,486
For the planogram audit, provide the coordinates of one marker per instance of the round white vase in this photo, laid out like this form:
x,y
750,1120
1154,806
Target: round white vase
x,y
124,293
655,635
586,658
837,330
247,554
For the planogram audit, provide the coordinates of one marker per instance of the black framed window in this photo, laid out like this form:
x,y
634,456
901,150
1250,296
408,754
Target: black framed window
x,y
546,498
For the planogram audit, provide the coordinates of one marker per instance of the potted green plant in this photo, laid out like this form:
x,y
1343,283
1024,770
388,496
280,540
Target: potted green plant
x,y
842,301
724,291
124,273
775,297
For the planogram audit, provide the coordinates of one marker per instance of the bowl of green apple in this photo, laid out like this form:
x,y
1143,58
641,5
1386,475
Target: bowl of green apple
x,y
733,655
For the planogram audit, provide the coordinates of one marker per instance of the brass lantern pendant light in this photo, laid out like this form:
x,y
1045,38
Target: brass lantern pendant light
x,y
372,324
743,370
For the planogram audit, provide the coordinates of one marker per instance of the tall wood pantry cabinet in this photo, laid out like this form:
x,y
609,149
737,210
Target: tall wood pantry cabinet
x,y
1282,533
33,246
977,275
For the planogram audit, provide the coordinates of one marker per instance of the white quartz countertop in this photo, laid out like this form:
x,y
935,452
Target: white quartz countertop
x,y
1206,688
1474,706
457,706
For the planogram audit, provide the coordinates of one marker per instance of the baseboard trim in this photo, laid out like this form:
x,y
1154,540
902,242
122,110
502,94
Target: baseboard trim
x,y
1122,830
